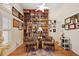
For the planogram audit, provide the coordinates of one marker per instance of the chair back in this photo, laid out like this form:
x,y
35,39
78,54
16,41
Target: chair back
x,y
48,38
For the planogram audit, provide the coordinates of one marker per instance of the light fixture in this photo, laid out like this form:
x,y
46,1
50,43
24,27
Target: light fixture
x,y
42,7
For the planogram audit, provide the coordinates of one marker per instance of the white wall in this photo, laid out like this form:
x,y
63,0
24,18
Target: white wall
x,y
16,35
18,6
53,12
64,12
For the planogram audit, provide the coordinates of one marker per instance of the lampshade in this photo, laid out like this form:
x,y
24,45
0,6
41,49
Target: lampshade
x,y
40,29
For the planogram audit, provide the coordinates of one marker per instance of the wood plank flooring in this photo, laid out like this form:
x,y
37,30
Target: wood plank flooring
x,y
59,51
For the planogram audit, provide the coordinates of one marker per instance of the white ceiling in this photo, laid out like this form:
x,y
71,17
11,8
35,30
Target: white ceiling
x,y
53,7
35,5
30,5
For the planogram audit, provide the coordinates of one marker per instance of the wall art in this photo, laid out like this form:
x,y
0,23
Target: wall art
x,y
66,27
15,23
72,26
14,12
67,20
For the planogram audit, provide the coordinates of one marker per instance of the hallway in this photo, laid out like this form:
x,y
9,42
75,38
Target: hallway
x,y
21,51
39,26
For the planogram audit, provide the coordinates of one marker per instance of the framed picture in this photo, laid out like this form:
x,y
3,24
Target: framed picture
x,y
78,17
72,20
66,27
14,12
50,30
15,23
77,25
67,20
54,21
72,26
63,25
54,30
21,26
20,16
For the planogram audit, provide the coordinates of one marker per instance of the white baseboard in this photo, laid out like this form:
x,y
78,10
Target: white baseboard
x,y
12,49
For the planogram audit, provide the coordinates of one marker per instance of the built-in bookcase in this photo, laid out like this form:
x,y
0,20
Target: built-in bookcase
x,y
34,19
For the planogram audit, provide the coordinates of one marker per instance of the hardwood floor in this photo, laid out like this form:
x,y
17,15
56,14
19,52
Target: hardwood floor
x,y
59,51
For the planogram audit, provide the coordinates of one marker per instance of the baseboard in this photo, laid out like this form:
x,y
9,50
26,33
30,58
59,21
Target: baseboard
x,y
75,52
13,49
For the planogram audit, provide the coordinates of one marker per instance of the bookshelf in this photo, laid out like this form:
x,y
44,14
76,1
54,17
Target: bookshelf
x,y
65,43
34,19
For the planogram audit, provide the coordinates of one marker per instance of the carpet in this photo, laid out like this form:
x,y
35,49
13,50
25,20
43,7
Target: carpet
x,y
41,52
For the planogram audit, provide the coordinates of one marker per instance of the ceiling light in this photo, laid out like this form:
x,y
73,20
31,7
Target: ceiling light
x,y
42,7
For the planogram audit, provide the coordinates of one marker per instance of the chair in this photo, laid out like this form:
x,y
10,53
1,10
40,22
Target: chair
x,y
48,42
31,43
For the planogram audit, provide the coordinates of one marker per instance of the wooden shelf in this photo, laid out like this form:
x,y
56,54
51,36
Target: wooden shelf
x,y
35,18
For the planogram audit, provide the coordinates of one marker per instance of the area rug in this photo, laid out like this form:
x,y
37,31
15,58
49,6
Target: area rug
x,y
40,52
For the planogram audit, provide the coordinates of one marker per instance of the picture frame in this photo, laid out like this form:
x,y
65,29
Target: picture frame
x,y
66,27
78,17
54,21
72,19
20,16
72,26
63,25
77,25
15,23
50,30
21,26
67,20
14,12
54,30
